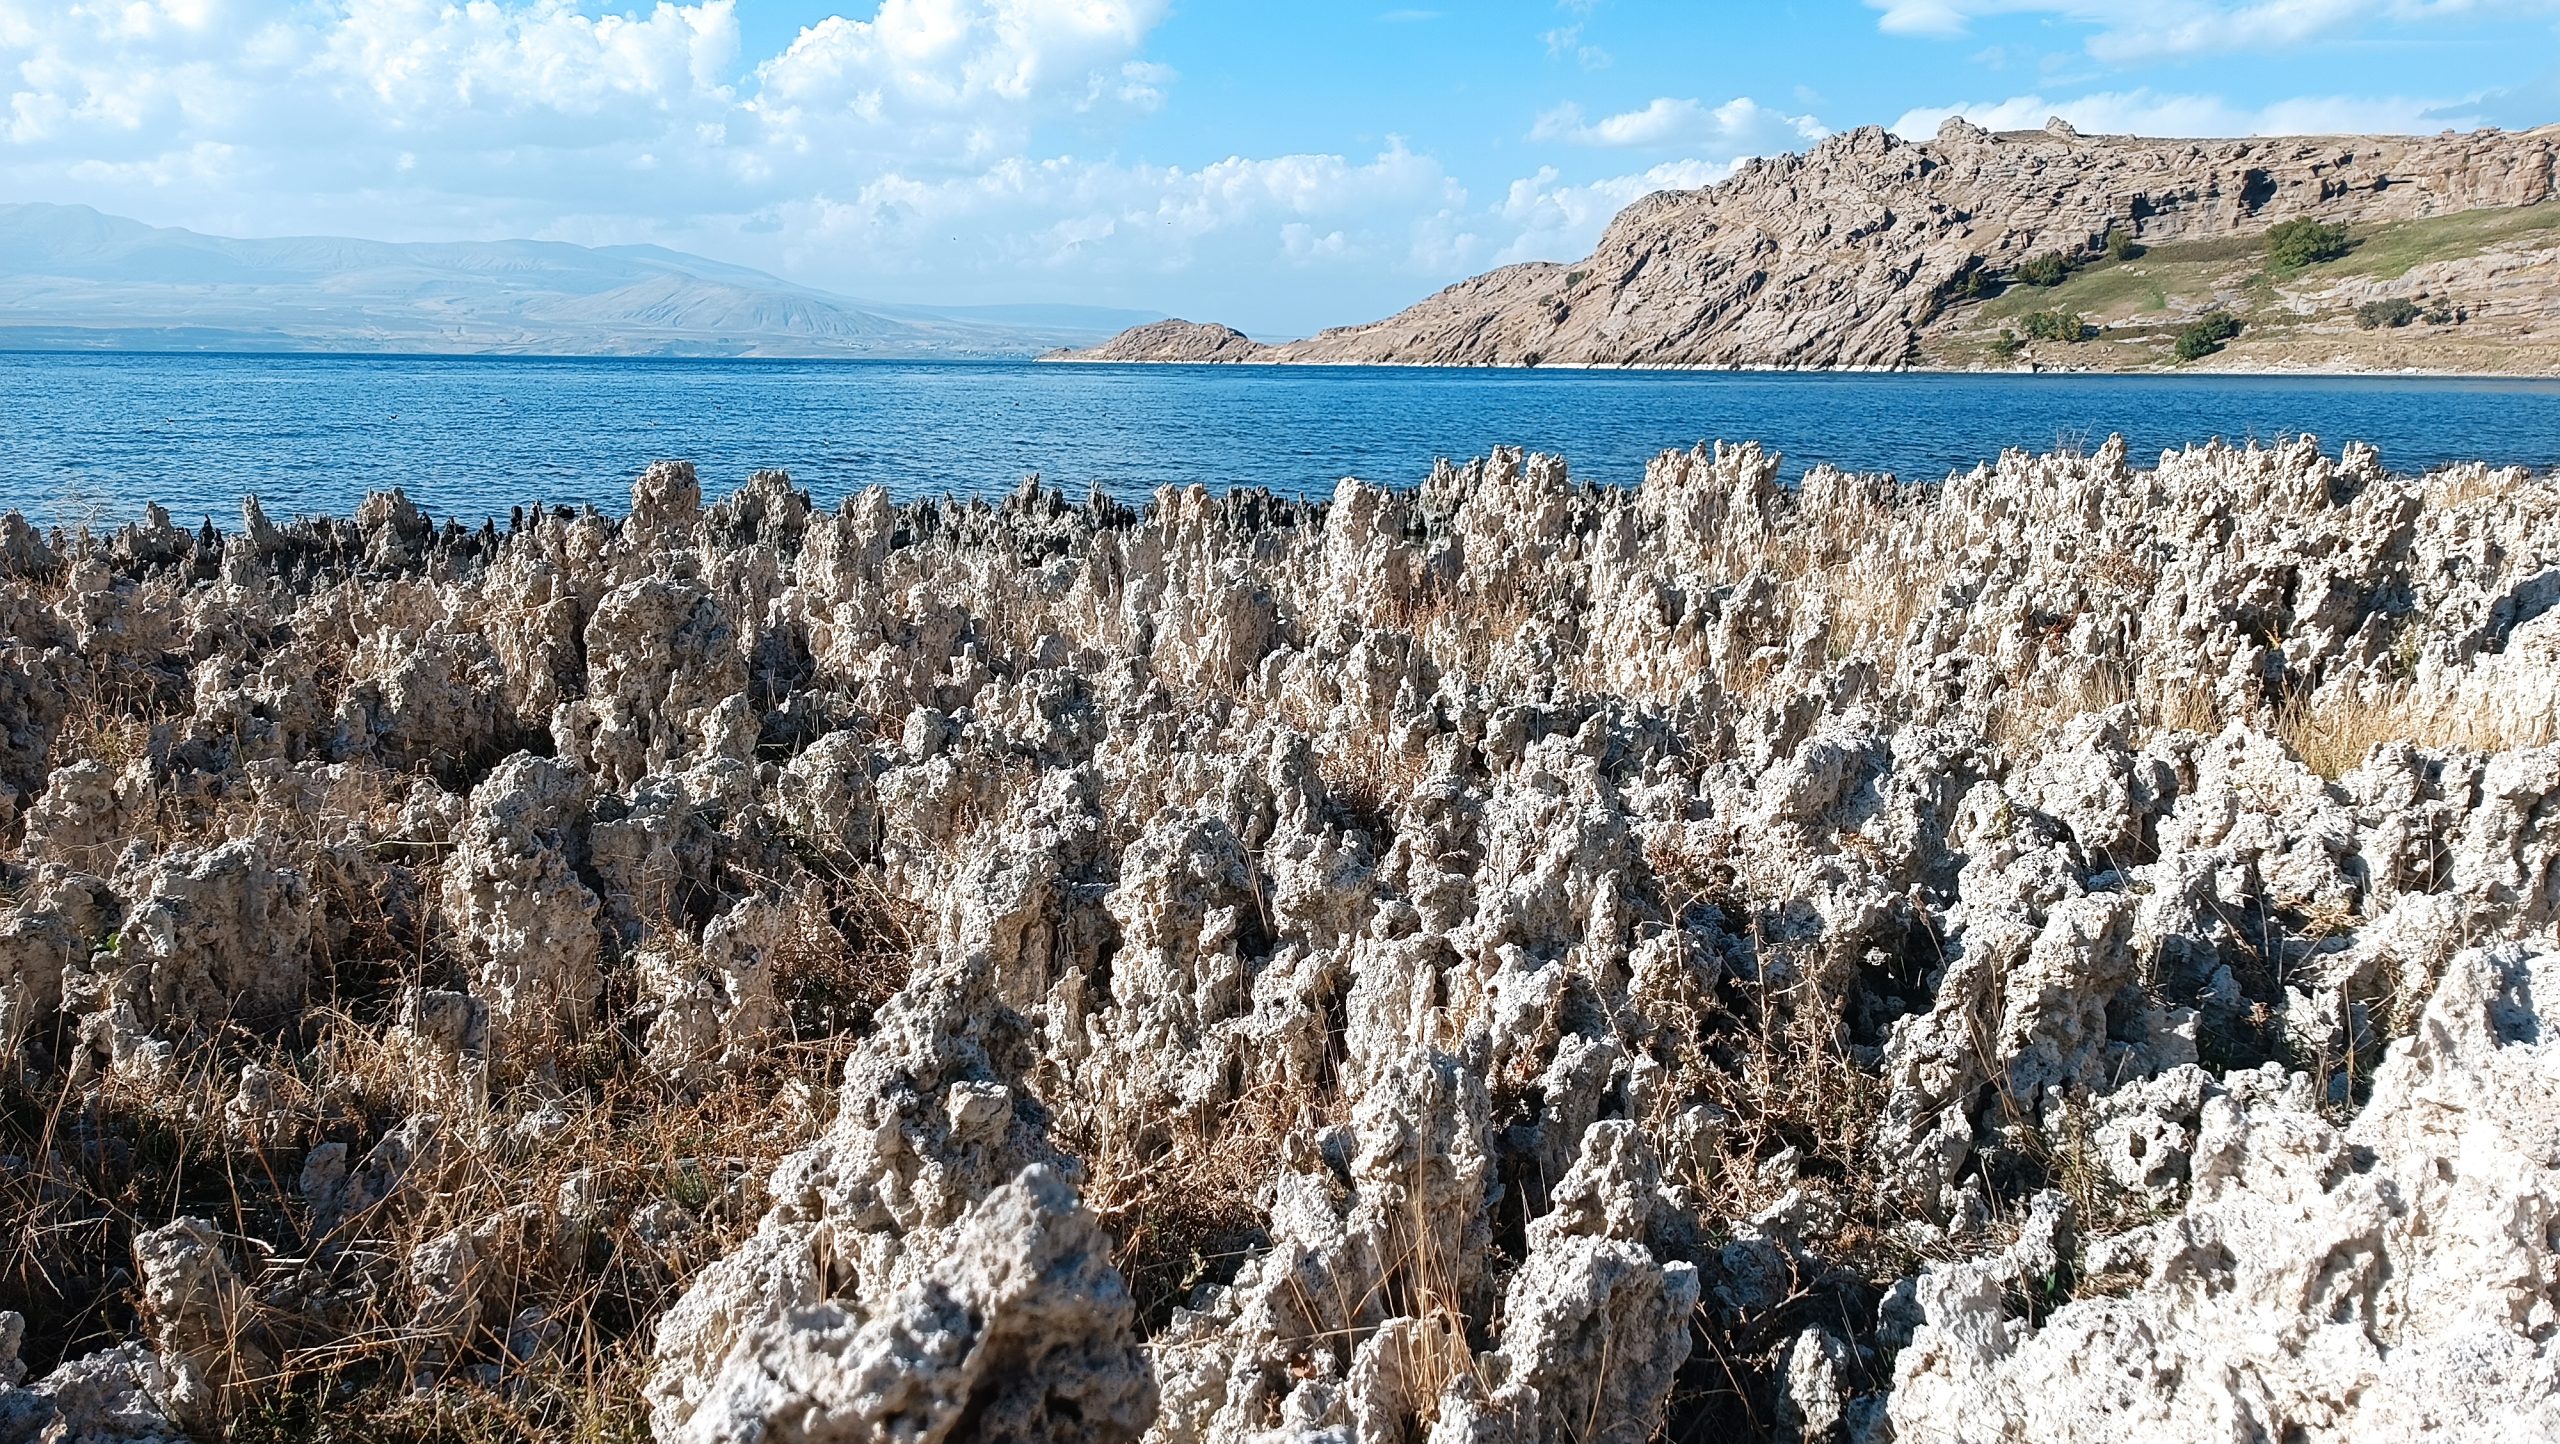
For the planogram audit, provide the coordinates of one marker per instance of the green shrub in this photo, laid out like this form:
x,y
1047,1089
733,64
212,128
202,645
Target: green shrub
x,y
2121,246
2055,325
2396,312
2007,347
2207,335
2050,269
2302,242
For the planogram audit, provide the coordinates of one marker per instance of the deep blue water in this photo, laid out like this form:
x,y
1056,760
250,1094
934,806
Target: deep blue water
x,y
99,435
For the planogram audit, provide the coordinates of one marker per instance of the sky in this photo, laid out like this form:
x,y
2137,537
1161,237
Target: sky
x,y
1279,165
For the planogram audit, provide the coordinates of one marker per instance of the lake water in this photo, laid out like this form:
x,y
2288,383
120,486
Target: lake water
x,y
99,435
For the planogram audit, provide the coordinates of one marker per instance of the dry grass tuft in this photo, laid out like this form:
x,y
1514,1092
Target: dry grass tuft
x,y
586,1226
2334,730
1368,777
1183,1198
851,948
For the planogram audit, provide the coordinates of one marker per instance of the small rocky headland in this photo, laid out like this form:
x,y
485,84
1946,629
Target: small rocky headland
x,y
2055,953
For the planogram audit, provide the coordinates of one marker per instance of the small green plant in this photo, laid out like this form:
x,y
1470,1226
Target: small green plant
x,y
2007,346
2120,244
2050,269
2303,241
2056,325
2394,313
1573,279
2207,335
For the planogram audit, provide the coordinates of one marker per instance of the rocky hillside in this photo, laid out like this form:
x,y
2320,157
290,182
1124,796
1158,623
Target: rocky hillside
x,y
1874,251
2055,955
1175,341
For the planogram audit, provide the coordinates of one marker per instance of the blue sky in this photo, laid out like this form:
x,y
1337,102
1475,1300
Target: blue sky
x,y
1277,166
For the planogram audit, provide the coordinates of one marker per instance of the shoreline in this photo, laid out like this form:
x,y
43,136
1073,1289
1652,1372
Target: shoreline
x,y
1700,368
1632,368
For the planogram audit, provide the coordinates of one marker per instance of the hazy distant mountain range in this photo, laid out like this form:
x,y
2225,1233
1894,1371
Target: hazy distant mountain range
x,y
72,278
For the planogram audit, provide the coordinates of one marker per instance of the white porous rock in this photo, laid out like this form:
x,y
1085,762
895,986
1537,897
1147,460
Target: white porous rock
x,y
224,933
51,927
926,1256
2386,1281
520,909
1009,1320
715,1002
826,799
1434,934
88,810
106,1397
1596,1327
200,1324
663,663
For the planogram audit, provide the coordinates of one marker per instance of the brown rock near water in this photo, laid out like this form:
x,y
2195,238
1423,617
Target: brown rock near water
x,y
1865,250
1171,341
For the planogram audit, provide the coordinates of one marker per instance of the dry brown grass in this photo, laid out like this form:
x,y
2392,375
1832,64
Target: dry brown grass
x,y
116,1157
1368,777
2334,730
2029,714
1182,1196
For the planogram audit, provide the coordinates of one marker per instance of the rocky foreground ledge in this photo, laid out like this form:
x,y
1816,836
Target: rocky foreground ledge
x,y
2055,954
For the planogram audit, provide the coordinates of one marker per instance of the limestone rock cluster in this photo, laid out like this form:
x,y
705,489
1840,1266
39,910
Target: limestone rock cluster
x,y
2055,952
1845,255
1171,340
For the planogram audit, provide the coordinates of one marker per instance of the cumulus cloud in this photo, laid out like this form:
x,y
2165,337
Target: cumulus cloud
x,y
1741,126
2145,112
1554,221
951,150
1549,218
1565,43
1105,218
2160,29
1366,234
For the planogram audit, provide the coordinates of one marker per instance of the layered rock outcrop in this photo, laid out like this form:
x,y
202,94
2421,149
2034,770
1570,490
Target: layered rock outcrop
x,y
1171,341
2059,950
1844,256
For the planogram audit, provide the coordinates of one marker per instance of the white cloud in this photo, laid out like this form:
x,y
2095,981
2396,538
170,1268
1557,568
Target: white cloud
x,y
1553,221
953,150
2156,29
1102,218
1565,43
2145,112
599,119
1548,218
1738,127
948,54
421,57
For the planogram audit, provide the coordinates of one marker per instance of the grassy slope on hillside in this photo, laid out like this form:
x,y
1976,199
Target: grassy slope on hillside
x,y
2137,306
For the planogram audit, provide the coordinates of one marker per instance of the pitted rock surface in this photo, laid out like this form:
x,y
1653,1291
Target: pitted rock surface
x,y
2059,951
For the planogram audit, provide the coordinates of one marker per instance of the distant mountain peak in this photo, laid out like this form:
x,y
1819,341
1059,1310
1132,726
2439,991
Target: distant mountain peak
x,y
71,275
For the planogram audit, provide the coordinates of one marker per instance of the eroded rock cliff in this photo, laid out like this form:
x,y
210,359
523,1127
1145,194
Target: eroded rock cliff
x,y
1855,252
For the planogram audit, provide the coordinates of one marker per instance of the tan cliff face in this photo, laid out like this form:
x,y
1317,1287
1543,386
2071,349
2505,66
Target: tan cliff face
x,y
1858,252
